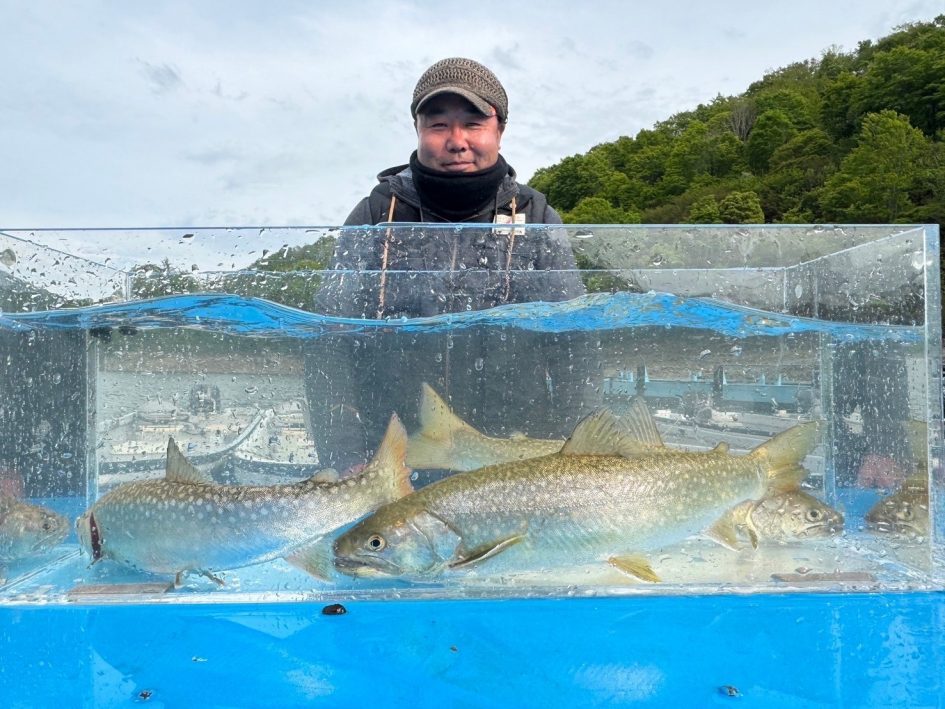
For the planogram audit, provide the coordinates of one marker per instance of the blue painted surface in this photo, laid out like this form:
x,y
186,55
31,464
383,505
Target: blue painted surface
x,y
854,650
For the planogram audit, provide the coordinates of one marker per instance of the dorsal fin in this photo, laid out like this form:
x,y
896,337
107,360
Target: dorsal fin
x,y
437,420
181,470
603,433
391,457
641,425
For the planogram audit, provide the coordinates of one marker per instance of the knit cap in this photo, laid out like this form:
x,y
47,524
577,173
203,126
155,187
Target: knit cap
x,y
465,77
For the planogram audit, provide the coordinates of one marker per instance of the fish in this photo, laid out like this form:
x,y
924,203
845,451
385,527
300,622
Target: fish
x,y
27,529
186,523
445,441
906,511
599,499
778,517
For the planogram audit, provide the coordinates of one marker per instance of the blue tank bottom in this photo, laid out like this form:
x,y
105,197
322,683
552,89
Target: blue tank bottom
x,y
863,650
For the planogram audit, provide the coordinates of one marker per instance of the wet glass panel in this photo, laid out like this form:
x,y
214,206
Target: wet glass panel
x,y
791,375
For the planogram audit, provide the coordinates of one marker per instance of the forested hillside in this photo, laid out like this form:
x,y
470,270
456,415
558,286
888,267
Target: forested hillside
x,y
855,137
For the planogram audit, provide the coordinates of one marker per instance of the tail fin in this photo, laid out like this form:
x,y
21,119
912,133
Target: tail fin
x,y
391,457
437,420
782,455
430,446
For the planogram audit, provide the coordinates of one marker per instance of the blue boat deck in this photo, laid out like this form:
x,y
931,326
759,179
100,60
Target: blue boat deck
x,y
800,650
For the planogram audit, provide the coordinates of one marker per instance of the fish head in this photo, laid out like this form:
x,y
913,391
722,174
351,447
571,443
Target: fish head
x,y
30,529
796,515
396,541
905,512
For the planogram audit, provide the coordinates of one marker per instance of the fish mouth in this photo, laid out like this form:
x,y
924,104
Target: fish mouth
x,y
365,566
827,529
887,527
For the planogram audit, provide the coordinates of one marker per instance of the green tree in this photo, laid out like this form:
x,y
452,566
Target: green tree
x,y
800,103
838,112
597,210
700,151
796,169
309,257
741,208
152,280
705,211
574,178
907,80
878,179
772,130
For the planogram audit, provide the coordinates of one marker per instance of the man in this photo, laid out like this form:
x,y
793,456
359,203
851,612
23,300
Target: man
x,y
501,380
460,111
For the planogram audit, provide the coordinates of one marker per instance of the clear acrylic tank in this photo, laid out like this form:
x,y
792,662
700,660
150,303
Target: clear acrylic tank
x,y
235,344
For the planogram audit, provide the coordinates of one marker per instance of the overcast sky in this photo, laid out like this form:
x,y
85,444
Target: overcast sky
x,y
280,113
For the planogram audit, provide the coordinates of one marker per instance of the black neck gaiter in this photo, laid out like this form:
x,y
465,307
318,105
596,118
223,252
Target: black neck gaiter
x,y
458,195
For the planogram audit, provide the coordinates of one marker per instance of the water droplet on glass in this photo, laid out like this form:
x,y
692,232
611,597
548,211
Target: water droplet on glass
x,y
479,364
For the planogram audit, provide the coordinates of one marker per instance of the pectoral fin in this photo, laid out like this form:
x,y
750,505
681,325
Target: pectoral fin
x,y
636,566
179,577
723,532
726,528
315,559
466,558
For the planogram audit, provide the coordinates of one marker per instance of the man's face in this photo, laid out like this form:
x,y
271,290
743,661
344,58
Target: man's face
x,y
455,137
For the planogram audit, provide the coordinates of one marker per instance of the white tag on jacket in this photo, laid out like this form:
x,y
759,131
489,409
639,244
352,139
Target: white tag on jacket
x,y
507,219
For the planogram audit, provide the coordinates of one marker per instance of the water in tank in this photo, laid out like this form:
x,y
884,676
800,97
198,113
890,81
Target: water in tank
x,y
466,411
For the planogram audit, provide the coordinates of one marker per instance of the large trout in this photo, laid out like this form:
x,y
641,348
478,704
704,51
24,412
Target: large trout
x,y
446,441
187,523
598,499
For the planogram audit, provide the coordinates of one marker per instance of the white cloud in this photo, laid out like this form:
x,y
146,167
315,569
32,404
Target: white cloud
x,y
164,114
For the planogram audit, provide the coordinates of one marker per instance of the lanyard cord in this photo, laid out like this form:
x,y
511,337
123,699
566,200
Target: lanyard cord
x,y
384,255
508,260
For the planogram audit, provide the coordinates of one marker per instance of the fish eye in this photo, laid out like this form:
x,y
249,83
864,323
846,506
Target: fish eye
x,y
376,542
46,526
907,512
813,515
